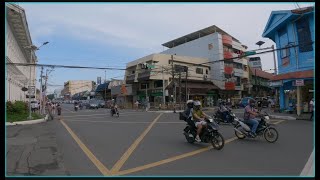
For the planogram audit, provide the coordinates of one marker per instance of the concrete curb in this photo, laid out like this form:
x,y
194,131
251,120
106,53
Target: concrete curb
x,y
177,111
283,117
36,121
308,169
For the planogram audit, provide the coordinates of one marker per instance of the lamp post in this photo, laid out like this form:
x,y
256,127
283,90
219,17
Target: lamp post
x,y
32,49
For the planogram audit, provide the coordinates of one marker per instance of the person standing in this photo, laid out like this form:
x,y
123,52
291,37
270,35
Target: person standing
x,y
49,107
136,105
311,106
59,110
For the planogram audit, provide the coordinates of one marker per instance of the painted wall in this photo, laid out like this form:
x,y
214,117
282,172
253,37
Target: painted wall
x,y
298,61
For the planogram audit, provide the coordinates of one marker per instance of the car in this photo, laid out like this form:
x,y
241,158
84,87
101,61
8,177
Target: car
x,y
245,101
93,104
101,104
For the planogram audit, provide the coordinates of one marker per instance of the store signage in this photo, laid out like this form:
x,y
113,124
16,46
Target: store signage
x,y
299,82
276,83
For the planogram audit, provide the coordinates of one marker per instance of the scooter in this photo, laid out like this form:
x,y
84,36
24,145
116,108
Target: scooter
x,y
76,108
264,128
208,134
114,110
218,117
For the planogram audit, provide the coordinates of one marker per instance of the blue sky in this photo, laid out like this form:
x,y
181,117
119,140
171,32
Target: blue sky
x,y
112,34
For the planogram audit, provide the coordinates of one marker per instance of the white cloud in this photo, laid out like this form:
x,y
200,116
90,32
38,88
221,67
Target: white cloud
x,y
147,26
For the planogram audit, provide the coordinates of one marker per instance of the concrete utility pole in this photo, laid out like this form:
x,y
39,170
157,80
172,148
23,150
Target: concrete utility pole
x,y
41,90
180,94
174,86
45,90
163,89
29,91
186,85
105,82
147,100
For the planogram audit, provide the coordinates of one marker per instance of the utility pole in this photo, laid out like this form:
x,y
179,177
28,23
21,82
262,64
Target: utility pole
x,y
255,74
105,88
180,88
29,89
174,86
147,100
41,90
163,93
45,90
186,85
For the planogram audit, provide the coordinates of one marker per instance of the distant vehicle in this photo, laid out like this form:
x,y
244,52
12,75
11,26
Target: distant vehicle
x,y
93,104
245,101
35,104
102,104
264,101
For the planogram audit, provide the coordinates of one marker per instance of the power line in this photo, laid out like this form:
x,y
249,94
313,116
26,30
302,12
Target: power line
x,y
263,52
62,66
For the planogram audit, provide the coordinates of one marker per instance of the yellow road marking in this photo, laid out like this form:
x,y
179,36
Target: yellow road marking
x,y
127,154
279,121
89,154
158,163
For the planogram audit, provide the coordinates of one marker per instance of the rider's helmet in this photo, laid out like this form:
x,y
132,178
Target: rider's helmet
x,y
197,104
190,103
252,102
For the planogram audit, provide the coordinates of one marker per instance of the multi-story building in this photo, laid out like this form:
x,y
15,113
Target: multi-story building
x,y
295,78
260,81
73,87
17,39
150,82
214,44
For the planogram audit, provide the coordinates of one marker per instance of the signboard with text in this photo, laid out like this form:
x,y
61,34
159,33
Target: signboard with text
x,y
298,82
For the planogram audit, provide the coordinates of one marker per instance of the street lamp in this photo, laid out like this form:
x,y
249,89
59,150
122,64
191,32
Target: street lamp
x,y
32,49
259,43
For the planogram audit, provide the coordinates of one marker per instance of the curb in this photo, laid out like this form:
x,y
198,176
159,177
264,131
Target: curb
x,y
177,111
308,169
283,117
36,121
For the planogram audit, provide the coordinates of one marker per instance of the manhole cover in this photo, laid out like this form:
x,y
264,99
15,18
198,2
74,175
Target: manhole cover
x,y
21,141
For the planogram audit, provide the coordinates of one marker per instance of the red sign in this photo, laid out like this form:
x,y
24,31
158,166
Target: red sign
x,y
230,86
228,70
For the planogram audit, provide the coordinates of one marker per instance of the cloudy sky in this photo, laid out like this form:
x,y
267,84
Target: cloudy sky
x,y
112,34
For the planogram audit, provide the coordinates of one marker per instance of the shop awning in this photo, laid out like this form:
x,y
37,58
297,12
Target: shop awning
x,y
294,75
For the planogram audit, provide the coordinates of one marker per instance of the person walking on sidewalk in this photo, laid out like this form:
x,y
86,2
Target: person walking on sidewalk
x,y
59,110
49,107
311,106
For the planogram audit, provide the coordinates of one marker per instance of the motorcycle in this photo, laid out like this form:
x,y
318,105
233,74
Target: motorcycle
x,y
218,117
76,108
209,134
114,111
264,128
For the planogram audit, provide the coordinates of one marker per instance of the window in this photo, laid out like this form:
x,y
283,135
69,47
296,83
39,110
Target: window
x,y
143,86
245,68
304,35
283,38
158,84
199,71
207,71
133,72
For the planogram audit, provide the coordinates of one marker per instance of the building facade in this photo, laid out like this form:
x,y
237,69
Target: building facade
x,y
17,38
77,86
212,43
156,83
295,78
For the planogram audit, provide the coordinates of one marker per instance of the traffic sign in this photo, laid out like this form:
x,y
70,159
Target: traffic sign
x,y
249,53
31,90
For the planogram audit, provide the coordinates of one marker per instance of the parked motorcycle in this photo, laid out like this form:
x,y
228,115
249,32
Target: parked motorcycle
x,y
114,110
218,117
264,128
209,134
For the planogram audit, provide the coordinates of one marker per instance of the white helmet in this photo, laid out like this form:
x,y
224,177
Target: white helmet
x,y
189,101
197,103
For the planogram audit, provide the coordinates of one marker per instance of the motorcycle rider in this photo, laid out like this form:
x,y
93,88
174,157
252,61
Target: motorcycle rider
x,y
250,114
114,106
224,111
198,117
189,110
75,104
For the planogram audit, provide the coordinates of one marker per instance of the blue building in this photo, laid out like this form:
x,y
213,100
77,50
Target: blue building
x,y
295,77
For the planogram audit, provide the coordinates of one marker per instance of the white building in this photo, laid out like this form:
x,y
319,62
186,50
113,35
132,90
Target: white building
x,y
231,76
17,38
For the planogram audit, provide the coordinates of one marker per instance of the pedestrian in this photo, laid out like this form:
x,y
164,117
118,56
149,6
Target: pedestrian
x,y
49,107
33,107
136,104
53,108
311,106
59,110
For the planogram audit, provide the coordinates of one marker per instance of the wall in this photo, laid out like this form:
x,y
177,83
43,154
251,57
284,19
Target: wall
x,y
305,59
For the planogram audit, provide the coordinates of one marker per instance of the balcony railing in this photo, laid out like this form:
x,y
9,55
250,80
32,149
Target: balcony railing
x,y
144,75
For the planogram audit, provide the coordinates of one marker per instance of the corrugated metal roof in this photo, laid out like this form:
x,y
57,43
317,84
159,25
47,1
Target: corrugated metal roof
x,y
195,35
102,87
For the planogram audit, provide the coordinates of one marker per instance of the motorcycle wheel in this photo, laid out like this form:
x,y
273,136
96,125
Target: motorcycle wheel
x,y
271,134
239,136
217,141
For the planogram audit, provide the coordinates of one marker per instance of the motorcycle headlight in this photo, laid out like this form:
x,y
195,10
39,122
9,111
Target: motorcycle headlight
x,y
210,120
267,117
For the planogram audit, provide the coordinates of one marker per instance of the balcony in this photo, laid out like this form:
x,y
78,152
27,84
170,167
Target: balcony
x,y
227,40
130,78
144,76
227,55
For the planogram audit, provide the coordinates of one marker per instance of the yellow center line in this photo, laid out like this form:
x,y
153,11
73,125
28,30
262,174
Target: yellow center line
x,y
158,163
127,154
89,154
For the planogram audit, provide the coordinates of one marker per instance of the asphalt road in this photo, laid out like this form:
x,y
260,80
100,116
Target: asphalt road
x,y
92,143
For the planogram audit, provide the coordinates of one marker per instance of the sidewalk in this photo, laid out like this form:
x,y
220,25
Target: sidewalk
x,y
32,150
